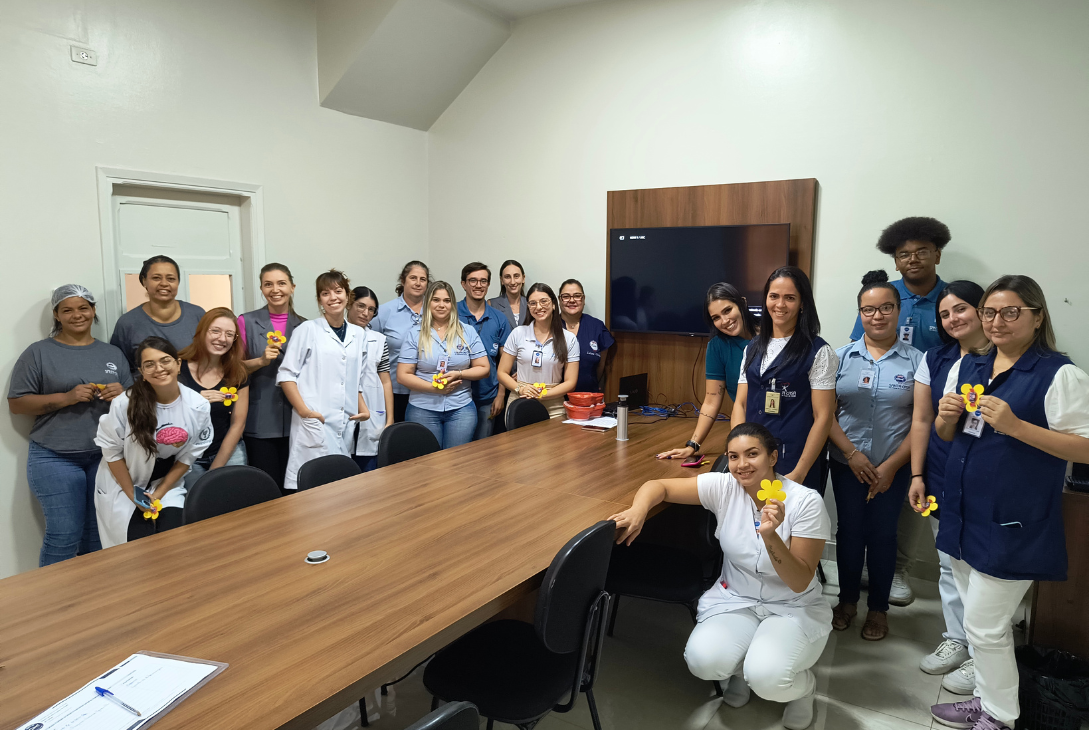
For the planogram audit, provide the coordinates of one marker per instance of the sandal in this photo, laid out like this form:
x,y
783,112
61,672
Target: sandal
x,y
876,627
842,616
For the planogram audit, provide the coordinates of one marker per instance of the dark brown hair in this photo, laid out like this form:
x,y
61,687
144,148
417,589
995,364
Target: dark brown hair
x,y
556,328
143,419
234,372
333,279
756,431
400,288
280,267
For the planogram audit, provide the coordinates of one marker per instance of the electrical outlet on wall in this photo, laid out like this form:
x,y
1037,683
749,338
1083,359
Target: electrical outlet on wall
x,y
84,55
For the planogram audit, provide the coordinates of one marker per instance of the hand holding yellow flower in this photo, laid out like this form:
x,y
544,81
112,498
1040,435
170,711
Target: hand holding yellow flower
x,y
771,490
438,380
541,387
970,394
276,338
931,504
230,395
153,513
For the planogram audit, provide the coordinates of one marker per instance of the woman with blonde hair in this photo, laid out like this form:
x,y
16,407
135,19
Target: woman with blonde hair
x,y
437,358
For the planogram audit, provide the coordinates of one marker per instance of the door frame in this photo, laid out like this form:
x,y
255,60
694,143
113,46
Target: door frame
x,y
252,214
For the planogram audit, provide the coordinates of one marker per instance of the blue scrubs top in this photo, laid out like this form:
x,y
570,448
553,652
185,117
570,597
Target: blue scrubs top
x,y
394,320
493,330
875,398
724,356
452,397
919,313
594,339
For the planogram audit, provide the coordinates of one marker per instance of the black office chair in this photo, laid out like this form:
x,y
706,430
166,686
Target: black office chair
x,y
326,469
454,716
227,489
524,411
404,441
515,672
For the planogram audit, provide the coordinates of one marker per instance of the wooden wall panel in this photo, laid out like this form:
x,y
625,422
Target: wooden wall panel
x,y
668,359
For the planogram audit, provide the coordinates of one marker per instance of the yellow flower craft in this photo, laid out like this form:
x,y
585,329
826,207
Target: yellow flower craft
x,y
438,380
276,337
970,394
771,490
931,505
153,513
230,395
541,387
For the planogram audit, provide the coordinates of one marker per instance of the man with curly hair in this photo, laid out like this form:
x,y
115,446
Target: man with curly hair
x,y
915,245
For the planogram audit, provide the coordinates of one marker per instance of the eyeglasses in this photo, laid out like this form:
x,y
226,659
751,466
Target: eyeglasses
x,y
368,310
217,332
150,366
886,308
477,282
920,255
544,304
1009,314
571,297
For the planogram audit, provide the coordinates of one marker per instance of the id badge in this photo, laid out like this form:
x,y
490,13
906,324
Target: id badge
x,y
538,358
865,379
771,403
907,334
442,365
973,424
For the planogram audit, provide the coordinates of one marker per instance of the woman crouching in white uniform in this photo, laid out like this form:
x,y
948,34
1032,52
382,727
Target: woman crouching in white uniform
x,y
765,622
149,439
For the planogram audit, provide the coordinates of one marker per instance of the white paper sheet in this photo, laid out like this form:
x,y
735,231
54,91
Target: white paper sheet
x,y
147,683
603,421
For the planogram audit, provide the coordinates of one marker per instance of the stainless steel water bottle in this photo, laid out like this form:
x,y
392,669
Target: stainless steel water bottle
x,y
622,419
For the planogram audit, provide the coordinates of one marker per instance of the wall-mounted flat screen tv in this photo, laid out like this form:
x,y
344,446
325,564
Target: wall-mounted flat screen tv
x,y
659,276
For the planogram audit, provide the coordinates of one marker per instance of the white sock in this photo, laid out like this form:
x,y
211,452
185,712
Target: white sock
x,y
736,693
798,713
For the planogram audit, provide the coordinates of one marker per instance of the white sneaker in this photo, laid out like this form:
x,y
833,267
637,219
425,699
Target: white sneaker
x,y
962,681
901,594
948,656
736,693
798,714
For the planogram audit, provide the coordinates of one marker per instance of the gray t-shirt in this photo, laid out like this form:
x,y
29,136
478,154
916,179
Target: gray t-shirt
x,y
48,367
135,326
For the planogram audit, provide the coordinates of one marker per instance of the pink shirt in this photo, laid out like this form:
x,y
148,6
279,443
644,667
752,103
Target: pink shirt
x,y
279,322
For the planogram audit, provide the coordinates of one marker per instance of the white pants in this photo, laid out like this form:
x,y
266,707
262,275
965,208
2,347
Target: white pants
x,y
952,605
989,605
772,651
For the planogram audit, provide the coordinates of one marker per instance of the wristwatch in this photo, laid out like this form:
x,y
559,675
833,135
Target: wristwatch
x,y
693,444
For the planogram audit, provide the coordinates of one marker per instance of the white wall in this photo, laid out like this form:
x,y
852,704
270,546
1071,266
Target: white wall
x,y
972,112
208,89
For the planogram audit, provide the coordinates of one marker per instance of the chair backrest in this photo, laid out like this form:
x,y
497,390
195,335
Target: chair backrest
x,y
572,584
227,489
326,469
525,411
722,464
404,441
453,716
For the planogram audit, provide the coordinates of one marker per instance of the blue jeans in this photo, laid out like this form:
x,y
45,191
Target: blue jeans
x,y
237,458
484,424
64,484
451,428
866,533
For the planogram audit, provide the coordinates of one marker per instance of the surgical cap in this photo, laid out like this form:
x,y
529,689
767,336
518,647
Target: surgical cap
x,y
71,290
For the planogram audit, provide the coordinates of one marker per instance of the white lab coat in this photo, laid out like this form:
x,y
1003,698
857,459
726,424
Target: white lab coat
x,y
190,413
374,395
329,375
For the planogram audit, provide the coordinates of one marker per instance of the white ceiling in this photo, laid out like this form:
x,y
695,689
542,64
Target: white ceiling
x,y
516,9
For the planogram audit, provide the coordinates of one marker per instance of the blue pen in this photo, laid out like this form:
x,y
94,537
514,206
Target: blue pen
x,y
106,694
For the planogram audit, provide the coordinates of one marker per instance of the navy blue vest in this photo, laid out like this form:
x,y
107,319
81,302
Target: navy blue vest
x,y
269,415
795,419
1002,512
940,361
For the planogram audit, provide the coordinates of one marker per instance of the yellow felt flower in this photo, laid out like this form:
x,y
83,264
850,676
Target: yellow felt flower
x,y
931,505
276,337
970,394
541,387
771,490
230,395
438,380
153,513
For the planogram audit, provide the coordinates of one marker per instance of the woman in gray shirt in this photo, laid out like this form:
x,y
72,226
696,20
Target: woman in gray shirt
x,y
67,382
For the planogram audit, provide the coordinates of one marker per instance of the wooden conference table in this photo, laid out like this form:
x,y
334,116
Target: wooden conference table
x,y
420,552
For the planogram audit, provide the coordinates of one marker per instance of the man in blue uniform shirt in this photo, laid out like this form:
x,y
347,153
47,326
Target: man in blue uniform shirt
x,y
915,245
493,328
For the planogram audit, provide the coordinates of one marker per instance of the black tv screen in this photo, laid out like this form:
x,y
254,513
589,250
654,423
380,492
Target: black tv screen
x,y
659,276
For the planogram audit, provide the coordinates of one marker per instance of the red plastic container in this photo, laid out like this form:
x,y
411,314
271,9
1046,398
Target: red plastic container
x,y
584,413
586,399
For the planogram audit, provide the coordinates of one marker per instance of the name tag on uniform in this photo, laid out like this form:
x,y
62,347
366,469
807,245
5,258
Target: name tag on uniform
x,y
973,424
865,379
538,358
442,365
771,403
907,334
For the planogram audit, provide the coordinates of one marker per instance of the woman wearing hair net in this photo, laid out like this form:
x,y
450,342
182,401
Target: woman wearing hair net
x,y
67,381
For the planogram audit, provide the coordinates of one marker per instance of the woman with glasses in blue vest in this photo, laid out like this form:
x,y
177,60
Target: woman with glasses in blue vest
x,y
1015,415
788,376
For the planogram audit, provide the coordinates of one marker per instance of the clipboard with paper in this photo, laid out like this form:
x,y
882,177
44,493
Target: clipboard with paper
x,y
149,682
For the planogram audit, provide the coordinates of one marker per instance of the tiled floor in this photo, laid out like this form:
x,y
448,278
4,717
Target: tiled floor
x,y
644,683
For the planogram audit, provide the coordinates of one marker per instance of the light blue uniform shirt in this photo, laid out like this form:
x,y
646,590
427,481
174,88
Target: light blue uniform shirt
x,y
875,415
394,320
918,313
454,396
